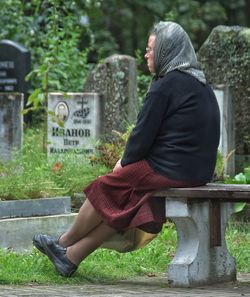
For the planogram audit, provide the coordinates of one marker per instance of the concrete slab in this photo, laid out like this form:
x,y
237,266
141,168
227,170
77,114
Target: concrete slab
x,y
17,233
35,207
140,287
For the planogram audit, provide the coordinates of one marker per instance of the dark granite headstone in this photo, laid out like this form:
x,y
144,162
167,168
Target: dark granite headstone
x,y
14,66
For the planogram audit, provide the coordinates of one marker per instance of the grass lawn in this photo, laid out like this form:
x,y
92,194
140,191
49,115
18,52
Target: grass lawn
x,y
107,266
32,175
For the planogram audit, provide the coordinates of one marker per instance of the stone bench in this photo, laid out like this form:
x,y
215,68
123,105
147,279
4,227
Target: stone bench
x,y
200,215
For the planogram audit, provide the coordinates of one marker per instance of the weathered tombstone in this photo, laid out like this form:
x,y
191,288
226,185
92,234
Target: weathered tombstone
x,y
73,123
225,59
14,66
227,140
115,80
11,124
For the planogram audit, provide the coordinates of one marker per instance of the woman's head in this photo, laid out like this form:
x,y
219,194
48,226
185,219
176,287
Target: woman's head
x,y
171,49
149,55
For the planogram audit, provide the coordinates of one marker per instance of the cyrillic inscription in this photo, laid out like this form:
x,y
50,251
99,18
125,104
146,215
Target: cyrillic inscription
x,y
76,123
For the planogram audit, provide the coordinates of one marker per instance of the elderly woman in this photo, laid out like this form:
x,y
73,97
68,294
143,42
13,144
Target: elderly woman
x,y
174,144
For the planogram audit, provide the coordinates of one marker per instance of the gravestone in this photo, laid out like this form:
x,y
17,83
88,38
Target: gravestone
x,y
14,66
225,59
225,98
73,123
115,80
11,124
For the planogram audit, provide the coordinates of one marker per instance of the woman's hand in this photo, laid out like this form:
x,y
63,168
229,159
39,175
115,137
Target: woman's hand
x,y
117,165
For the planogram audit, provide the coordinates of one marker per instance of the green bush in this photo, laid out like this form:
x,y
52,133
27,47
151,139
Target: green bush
x,y
109,152
32,175
51,30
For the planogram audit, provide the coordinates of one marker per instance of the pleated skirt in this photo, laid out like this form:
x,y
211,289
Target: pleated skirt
x,y
123,198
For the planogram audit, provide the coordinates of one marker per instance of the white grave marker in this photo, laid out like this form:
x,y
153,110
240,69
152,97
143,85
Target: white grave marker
x,y
11,124
227,140
74,124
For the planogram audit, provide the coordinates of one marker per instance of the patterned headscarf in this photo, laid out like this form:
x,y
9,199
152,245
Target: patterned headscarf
x,y
173,50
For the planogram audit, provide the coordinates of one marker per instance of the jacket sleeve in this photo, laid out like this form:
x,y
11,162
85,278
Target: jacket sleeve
x,y
146,130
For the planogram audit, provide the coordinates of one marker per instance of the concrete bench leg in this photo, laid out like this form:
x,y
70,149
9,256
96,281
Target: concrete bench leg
x,y
198,261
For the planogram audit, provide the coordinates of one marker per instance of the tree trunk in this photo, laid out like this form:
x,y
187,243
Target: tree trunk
x,y
247,12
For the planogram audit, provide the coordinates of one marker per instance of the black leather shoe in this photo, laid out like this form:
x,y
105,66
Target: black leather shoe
x,y
37,242
57,254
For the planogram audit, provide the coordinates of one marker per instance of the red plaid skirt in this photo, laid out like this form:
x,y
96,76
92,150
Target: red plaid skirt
x,y
123,198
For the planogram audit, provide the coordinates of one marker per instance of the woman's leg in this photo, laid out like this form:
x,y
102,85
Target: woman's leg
x,y
86,220
86,234
89,243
